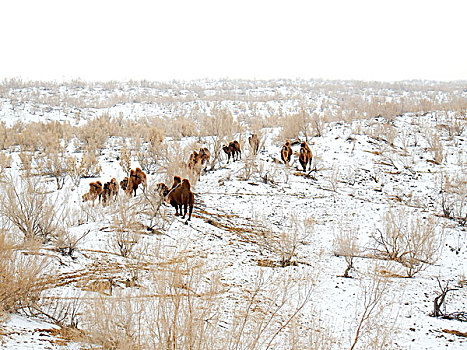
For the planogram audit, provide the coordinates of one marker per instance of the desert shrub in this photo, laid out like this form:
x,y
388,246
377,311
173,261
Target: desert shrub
x,y
126,227
53,162
150,150
5,162
292,126
218,129
6,139
89,165
371,327
453,197
27,205
94,134
185,310
182,127
409,239
125,160
346,244
435,145
284,244
22,276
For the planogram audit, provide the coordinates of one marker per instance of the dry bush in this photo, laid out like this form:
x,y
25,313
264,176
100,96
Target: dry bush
x,y
453,197
383,131
346,244
149,151
186,308
318,123
435,145
173,162
125,160
53,163
371,326
182,127
292,126
408,239
26,159
27,205
5,162
126,226
157,217
89,165
23,277
218,129
6,138
95,133
285,244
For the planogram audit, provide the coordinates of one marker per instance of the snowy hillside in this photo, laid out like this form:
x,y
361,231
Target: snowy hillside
x,y
261,264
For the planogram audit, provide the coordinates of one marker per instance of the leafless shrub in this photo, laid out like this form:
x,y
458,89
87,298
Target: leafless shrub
x,y
182,127
334,178
285,243
125,160
293,125
126,227
66,241
410,240
186,310
63,311
453,197
26,159
371,328
27,205
218,129
173,162
439,300
5,162
23,277
318,123
150,153
90,165
346,245
151,207
53,163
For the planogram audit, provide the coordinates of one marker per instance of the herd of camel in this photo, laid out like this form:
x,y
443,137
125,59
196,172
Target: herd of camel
x,y
179,195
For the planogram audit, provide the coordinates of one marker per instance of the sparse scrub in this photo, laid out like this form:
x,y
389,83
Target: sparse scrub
x,y
186,311
125,227
346,245
285,243
410,240
453,201
371,327
22,277
5,162
54,164
29,208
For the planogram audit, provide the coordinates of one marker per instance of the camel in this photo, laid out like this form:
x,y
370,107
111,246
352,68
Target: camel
x,y
254,143
95,191
136,178
180,197
305,156
233,150
286,152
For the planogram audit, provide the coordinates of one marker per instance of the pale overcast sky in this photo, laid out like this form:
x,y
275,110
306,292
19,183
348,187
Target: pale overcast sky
x,y
252,39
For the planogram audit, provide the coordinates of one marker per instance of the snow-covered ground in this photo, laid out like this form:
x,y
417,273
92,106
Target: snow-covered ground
x,y
358,178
